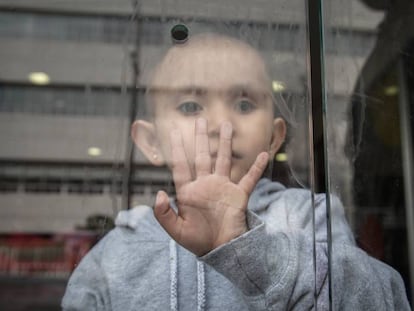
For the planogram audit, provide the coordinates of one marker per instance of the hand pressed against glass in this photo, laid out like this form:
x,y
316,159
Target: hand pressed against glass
x,y
211,208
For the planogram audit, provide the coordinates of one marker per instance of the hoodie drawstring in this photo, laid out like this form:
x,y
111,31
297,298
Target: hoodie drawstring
x,y
201,297
173,276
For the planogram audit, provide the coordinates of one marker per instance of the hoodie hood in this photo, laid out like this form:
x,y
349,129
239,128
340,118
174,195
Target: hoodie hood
x,y
263,194
283,209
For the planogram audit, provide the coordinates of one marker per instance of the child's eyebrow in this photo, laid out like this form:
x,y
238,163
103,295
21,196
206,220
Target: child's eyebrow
x,y
191,90
233,91
185,90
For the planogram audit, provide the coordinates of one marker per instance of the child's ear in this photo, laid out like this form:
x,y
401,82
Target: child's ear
x,y
278,137
144,137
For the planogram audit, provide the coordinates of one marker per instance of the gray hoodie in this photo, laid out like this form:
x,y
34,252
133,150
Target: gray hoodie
x,y
273,266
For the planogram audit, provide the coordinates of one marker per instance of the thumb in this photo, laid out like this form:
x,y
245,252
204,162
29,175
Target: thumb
x,y
165,215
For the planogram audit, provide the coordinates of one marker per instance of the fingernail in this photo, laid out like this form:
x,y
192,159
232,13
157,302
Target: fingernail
x,y
158,198
160,204
226,129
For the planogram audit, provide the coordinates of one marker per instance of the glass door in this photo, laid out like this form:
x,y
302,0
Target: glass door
x,y
368,76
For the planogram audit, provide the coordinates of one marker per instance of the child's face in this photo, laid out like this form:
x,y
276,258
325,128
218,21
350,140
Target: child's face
x,y
219,83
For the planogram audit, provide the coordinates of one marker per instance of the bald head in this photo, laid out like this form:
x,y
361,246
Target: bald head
x,y
208,62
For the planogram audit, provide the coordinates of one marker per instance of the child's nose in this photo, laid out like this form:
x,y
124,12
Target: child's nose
x,y
216,118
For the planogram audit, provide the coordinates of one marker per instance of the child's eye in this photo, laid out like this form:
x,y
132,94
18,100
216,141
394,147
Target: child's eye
x,y
190,108
244,106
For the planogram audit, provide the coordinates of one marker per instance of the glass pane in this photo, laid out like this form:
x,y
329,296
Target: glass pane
x,y
76,74
368,61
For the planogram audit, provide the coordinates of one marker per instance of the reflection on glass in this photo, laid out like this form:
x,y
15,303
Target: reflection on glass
x,y
367,120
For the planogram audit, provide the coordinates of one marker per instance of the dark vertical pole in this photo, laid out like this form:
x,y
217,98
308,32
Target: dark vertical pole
x,y
129,154
317,118
317,92
405,78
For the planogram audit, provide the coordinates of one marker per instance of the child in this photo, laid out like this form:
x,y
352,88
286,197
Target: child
x,y
229,240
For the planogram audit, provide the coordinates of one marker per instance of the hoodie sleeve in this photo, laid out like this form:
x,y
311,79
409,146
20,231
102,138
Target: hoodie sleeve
x,y
87,288
275,270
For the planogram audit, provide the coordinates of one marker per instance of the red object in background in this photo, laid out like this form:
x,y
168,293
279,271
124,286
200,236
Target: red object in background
x,y
371,237
48,255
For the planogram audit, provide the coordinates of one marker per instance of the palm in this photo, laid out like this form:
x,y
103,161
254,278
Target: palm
x,y
211,208
206,214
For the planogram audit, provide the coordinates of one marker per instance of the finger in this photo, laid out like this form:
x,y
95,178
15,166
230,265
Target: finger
x,y
180,168
249,181
165,215
223,162
202,149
